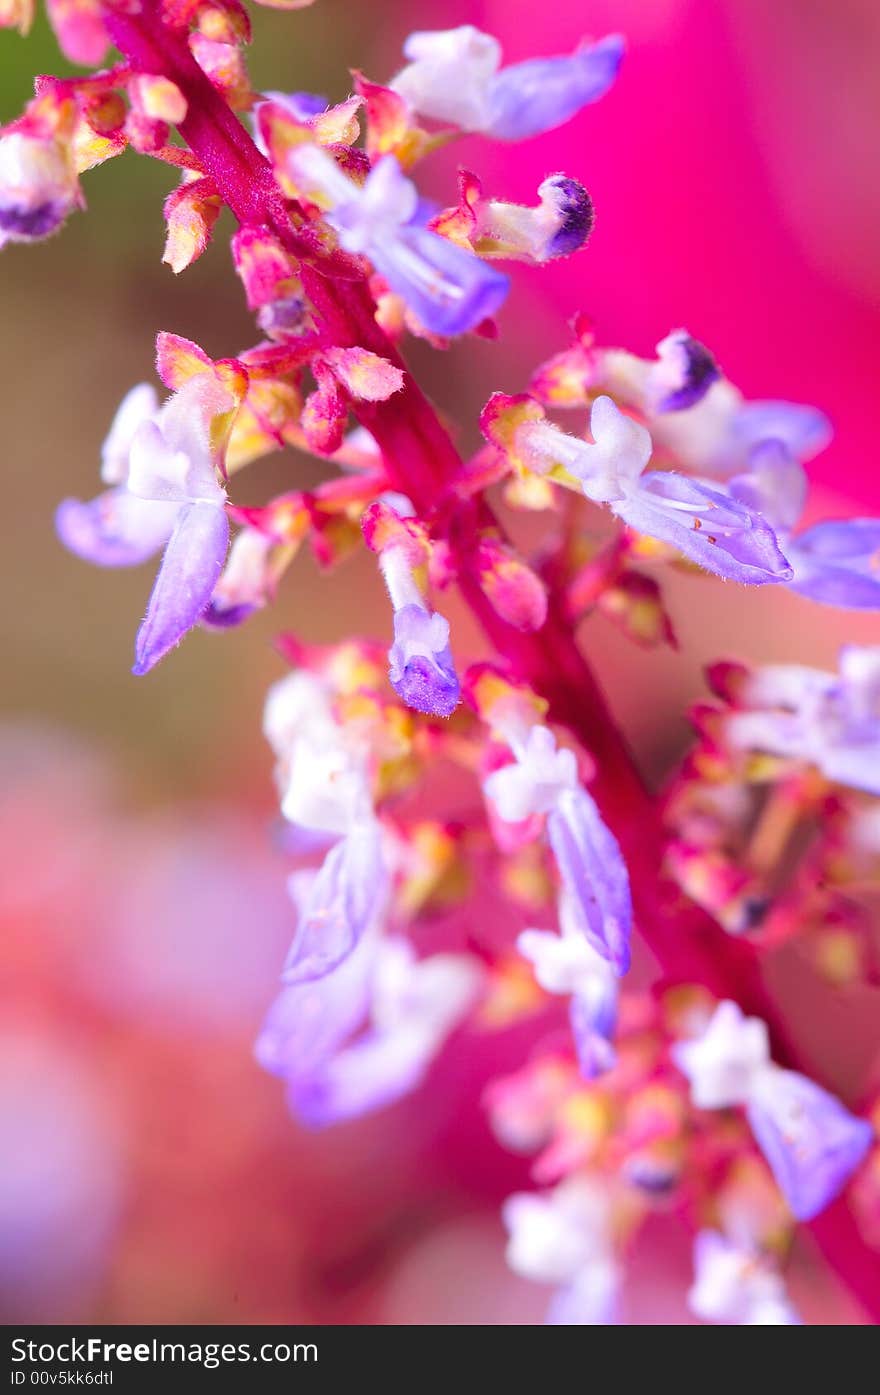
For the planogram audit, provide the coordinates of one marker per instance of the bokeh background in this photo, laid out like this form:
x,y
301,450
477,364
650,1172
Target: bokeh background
x,y
148,1171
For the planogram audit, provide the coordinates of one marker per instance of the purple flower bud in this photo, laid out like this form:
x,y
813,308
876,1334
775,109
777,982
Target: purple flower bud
x,y
593,874
685,372
573,208
422,671
38,186
812,1143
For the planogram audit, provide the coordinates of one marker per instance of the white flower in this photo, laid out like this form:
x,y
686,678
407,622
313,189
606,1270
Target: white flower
x,y
724,1064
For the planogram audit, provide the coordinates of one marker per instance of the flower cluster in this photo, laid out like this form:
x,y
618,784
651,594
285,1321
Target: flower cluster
x,y
630,1101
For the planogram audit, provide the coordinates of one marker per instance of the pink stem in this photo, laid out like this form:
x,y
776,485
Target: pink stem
x,y
422,461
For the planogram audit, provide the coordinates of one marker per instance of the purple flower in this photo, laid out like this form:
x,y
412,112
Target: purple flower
x,y
593,874
345,897
454,77
162,463
707,527
449,289
812,1143
365,1034
720,534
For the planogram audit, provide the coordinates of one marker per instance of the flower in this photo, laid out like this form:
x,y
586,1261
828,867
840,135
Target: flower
x,y
365,1034
532,783
543,780
562,1237
811,1143
568,964
163,466
448,289
831,720
453,76
345,897
735,1285
718,533
724,1063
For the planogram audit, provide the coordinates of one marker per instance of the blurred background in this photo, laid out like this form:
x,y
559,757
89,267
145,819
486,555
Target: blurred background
x,y
148,1170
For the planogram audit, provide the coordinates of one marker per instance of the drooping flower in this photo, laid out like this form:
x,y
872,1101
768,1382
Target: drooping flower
x,y
449,289
736,1285
718,533
811,1143
831,720
543,781
162,464
455,76
563,1237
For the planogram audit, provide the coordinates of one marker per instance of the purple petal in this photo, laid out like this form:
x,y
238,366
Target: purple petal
x,y
310,1021
718,533
594,874
378,1070
529,98
838,563
187,576
449,289
775,485
591,1035
345,898
804,430
115,529
424,677
812,1143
